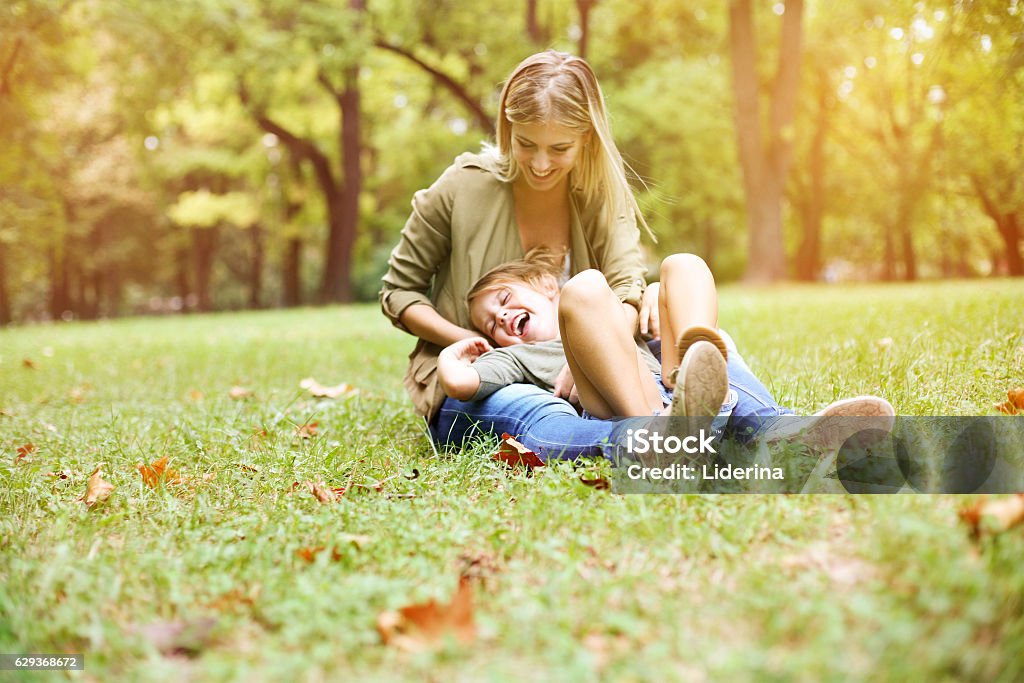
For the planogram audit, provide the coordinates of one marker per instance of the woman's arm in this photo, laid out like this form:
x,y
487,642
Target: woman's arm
x,y
426,323
424,246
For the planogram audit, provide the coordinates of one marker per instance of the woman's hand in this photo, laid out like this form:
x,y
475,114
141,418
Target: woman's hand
x,y
565,386
650,321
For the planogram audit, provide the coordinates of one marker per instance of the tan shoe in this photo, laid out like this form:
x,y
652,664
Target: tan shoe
x,y
702,382
829,428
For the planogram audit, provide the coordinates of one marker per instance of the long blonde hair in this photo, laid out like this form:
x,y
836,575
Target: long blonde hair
x,y
559,87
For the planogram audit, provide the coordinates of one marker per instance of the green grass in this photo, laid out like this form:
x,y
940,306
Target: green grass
x,y
580,584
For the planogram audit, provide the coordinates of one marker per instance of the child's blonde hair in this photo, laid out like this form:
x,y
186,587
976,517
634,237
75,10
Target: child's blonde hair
x,y
536,269
559,87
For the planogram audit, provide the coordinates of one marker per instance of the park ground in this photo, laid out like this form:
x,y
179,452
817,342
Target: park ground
x,y
229,568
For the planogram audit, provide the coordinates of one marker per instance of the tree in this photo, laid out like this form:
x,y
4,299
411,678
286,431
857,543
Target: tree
x,y
765,154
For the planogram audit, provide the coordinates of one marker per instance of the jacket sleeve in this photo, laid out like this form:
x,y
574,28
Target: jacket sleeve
x,y
423,248
616,245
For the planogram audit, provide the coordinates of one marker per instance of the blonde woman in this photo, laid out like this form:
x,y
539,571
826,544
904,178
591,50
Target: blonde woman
x,y
554,179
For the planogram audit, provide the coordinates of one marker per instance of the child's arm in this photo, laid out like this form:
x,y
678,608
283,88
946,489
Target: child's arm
x,y
454,367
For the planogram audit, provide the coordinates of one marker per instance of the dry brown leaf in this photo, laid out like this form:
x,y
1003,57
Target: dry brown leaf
x,y
1005,407
515,454
237,393
236,596
1016,397
306,431
321,492
96,489
424,626
309,554
320,391
24,451
993,515
599,483
28,363
157,472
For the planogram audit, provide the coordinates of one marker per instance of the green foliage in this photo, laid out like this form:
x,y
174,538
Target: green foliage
x,y
135,109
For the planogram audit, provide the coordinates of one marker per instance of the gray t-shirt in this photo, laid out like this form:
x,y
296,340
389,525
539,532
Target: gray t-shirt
x,y
538,363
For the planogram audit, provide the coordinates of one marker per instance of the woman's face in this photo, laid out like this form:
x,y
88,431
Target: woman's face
x,y
546,153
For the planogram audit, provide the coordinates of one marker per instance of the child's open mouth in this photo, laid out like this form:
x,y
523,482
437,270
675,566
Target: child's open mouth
x,y
519,324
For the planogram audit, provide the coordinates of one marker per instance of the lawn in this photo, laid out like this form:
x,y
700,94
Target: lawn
x,y
219,578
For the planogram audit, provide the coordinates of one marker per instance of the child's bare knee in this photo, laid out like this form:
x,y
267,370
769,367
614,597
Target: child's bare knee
x,y
684,263
587,286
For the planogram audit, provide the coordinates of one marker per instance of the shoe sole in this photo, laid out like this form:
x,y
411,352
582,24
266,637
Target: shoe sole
x,y
696,333
701,383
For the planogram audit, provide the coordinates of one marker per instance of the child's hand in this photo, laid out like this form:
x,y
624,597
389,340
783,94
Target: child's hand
x,y
468,350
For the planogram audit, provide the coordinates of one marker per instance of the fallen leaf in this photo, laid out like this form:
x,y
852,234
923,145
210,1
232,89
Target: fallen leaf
x,y
4,412
599,483
248,468
238,393
321,492
1016,397
306,431
514,454
480,567
320,391
179,637
157,472
1005,407
79,394
96,489
24,451
236,596
993,516
28,363
420,627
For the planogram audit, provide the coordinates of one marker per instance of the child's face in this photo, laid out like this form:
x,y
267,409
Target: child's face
x,y
516,314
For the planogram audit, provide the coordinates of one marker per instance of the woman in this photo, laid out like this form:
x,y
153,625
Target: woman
x,y
555,179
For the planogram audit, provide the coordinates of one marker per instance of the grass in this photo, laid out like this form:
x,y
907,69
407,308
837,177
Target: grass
x,y
578,584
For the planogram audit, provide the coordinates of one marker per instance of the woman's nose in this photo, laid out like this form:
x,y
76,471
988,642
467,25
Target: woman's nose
x,y
541,161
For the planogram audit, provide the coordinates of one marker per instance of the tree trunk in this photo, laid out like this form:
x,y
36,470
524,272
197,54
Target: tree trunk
x,y
293,273
764,159
343,209
812,204
5,302
1008,226
256,267
584,7
204,244
534,30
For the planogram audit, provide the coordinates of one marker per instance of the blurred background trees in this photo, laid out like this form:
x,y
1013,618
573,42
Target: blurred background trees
x,y
211,154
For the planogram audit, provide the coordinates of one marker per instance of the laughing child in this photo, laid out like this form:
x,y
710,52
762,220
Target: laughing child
x,y
538,329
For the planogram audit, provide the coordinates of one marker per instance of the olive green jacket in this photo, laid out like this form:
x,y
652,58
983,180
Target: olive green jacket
x,y
462,226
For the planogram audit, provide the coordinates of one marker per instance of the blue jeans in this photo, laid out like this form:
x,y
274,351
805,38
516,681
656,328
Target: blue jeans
x,y
551,428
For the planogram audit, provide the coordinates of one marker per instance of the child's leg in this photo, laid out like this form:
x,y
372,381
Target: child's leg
x,y
688,298
602,356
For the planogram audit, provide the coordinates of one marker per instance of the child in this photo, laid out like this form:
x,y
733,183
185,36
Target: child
x,y
539,329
